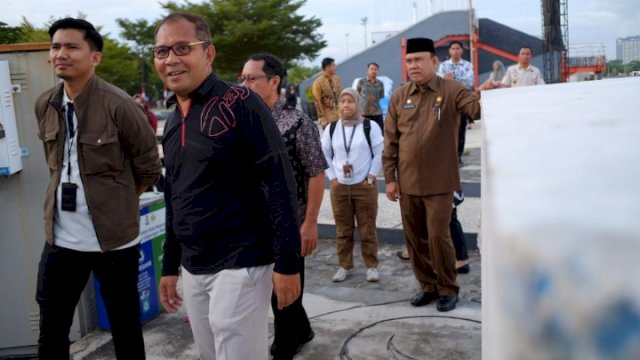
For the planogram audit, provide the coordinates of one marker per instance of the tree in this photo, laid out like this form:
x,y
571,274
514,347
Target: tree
x,y
119,66
242,27
140,34
9,34
30,33
298,73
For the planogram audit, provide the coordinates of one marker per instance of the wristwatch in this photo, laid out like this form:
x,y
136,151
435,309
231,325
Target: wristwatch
x,y
370,180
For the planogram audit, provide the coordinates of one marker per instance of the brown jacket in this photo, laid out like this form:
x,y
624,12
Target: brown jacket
x,y
117,152
420,150
326,92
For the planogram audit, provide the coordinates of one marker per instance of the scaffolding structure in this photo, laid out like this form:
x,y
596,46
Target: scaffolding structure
x,y
555,35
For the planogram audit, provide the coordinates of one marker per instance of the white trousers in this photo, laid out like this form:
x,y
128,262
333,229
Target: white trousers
x,y
229,312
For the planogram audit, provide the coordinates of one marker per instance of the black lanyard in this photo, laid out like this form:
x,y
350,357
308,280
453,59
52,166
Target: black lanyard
x,y
347,148
72,133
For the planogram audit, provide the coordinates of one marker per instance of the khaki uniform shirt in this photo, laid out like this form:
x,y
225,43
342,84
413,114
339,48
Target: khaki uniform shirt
x,y
325,93
421,135
521,76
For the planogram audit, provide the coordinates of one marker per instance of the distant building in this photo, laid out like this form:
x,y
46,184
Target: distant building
x,y
494,41
628,49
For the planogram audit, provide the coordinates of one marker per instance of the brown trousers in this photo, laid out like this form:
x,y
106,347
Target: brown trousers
x,y
360,200
425,220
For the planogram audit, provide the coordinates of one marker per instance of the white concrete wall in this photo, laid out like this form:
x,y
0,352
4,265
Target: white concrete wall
x,y
561,226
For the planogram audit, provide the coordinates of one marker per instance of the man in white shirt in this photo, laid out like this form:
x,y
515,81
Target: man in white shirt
x,y
457,68
520,74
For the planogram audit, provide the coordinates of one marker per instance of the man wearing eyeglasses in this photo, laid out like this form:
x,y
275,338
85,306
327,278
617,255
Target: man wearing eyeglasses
x,y
230,197
264,73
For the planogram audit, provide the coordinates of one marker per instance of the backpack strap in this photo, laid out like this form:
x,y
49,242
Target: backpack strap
x,y
367,132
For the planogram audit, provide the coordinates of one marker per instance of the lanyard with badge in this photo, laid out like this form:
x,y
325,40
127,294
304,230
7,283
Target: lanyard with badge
x,y
69,189
347,168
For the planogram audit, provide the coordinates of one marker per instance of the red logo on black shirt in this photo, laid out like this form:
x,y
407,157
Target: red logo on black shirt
x,y
217,116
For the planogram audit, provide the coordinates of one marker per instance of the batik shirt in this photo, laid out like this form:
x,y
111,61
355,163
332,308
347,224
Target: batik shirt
x,y
371,93
462,71
302,140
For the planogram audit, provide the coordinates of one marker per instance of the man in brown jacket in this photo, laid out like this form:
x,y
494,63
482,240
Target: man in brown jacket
x,y
102,154
420,162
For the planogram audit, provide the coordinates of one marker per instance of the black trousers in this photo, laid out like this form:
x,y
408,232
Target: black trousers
x,y
291,322
457,235
378,120
63,274
462,134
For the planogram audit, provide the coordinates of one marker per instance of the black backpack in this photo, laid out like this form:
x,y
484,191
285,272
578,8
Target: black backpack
x,y
367,132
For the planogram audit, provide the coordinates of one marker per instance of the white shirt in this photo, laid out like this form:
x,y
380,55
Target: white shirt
x,y
359,153
522,76
74,229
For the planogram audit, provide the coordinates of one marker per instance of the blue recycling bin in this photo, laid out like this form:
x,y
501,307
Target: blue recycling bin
x,y
152,235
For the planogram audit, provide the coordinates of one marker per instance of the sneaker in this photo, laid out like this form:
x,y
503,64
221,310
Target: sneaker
x,y
340,275
372,275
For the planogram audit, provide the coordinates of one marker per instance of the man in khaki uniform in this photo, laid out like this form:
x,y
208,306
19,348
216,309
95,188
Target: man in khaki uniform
x,y
420,162
326,89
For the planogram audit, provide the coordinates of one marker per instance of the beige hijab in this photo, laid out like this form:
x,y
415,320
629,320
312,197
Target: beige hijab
x,y
356,118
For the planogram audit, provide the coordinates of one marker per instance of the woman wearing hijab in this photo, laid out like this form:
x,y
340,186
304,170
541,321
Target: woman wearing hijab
x,y
496,75
354,162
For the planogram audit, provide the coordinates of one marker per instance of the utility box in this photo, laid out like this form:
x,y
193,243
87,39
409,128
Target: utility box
x,y
10,155
21,200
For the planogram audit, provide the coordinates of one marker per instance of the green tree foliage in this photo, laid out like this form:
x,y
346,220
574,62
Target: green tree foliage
x,y
9,34
298,73
31,33
242,27
617,68
120,66
140,34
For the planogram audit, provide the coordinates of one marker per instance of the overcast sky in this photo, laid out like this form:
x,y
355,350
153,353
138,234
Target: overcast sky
x,y
590,21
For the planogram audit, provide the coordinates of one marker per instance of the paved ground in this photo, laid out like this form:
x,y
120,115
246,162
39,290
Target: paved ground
x,y
356,319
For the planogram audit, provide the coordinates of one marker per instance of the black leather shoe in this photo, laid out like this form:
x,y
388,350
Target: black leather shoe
x,y
281,351
464,269
300,341
447,303
423,298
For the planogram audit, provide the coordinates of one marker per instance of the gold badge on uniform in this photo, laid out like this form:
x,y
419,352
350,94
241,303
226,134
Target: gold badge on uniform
x,y
409,105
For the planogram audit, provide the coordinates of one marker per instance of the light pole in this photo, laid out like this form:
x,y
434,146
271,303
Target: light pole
x,y
364,23
347,37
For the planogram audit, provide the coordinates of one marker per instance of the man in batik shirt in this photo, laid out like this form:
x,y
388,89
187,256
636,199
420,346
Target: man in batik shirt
x,y
457,68
325,90
264,73
372,90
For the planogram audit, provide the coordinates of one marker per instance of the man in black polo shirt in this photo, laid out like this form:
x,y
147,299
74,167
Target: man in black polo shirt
x,y
230,197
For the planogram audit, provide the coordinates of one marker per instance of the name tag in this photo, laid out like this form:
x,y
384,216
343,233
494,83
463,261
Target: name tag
x,y
409,106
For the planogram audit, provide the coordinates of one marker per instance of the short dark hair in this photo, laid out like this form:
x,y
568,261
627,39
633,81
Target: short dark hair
x,y
92,36
272,66
372,63
203,33
456,42
525,47
326,62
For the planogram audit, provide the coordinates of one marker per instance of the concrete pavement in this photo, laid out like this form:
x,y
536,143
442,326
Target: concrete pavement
x,y
356,319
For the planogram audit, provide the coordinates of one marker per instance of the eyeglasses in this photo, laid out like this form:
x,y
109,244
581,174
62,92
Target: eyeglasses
x,y
180,49
252,78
